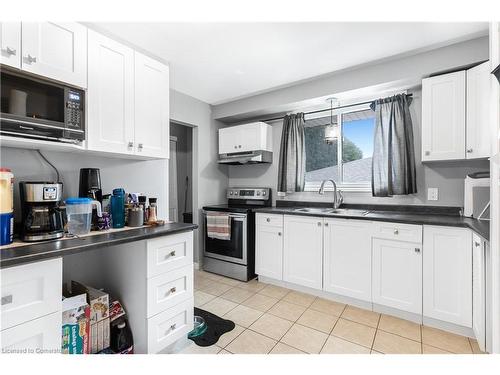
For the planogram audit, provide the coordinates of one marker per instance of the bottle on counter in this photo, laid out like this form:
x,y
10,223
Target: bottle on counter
x,y
121,339
6,206
152,210
118,208
142,202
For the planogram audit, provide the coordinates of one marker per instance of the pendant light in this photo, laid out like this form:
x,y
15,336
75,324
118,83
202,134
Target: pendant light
x,y
332,132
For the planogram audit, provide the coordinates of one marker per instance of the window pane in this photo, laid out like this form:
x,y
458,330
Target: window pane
x,y
321,157
357,146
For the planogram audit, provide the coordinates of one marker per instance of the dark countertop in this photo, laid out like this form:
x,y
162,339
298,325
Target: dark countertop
x,y
16,254
481,227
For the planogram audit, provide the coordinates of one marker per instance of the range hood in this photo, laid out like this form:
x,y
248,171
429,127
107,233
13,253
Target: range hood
x,y
246,144
251,157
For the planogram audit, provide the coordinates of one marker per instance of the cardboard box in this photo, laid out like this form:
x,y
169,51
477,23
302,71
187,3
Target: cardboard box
x,y
97,299
75,325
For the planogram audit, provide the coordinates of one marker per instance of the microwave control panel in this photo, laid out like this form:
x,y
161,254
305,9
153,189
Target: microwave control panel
x,y
74,109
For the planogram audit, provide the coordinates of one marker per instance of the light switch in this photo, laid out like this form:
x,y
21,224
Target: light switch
x,y
432,194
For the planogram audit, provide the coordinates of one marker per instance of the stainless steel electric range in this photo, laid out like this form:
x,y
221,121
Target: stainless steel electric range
x,y
235,257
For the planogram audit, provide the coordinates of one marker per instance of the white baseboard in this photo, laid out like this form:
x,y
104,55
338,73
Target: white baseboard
x,y
196,265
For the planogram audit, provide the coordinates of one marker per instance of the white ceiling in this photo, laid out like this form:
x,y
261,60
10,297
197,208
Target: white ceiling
x,y
220,62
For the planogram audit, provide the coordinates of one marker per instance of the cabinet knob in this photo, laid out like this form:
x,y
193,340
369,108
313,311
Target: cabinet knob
x,y
130,144
477,244
326,224
10,51
30,59
396,231
268,220
173,326
469,150
417,250
319,223
235,146
172,253
6,300
173,289
279,233
239,146
139,146
427,153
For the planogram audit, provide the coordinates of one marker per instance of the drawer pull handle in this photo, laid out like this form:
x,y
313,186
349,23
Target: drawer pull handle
x,y
7,299
396,231
172,253
173,289
417,250
173,326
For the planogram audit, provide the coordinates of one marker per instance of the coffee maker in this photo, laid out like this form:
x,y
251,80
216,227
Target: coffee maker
x,y
42,219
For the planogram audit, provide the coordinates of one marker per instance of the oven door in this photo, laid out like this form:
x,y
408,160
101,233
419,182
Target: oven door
x,y
233,250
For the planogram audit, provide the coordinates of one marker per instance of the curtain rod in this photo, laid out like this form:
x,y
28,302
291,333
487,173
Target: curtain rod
x,y
328,109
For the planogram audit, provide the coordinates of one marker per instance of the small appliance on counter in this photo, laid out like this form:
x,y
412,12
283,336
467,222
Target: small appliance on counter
x,y
79,214
90,187
42,218
477,194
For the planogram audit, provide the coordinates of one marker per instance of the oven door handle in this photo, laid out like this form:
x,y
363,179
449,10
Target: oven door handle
x,y
238,218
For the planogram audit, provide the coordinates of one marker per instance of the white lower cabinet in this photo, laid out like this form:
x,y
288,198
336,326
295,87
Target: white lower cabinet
x,y
303,251
347,258
479,290
447,275
397,274
269,246
42,335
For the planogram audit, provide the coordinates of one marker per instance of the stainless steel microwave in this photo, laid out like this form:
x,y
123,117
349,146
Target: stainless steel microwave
x,y
41,109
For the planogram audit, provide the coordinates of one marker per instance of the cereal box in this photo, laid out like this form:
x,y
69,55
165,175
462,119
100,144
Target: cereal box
x,y
75,325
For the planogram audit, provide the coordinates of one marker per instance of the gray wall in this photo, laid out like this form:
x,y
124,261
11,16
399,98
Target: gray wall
x,y
447,176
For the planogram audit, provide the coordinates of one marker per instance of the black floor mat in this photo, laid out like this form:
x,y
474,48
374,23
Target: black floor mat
x,y
216,327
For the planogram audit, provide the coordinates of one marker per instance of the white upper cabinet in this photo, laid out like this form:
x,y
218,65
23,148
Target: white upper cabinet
x,y
303,251
55,50
110,99
478,136
256,136
443,117
152,117
10,44
347,258
447,275
397,274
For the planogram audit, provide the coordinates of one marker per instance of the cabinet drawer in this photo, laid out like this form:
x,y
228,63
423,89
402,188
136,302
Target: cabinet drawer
x,y
270,220
169,289
169,326
30,291
169,252
401,232
42,335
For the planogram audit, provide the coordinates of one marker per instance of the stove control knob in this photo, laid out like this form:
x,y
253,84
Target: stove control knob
x,y
264,193
231,192
258,192
236,192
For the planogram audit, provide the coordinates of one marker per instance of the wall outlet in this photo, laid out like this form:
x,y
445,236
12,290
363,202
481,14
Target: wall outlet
x,y
432,194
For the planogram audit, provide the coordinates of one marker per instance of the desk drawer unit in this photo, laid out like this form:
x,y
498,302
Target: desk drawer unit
x,y
30,291
169,326
169,289
168,253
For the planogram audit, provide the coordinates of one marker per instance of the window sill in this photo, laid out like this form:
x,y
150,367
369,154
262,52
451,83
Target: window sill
x,y
344,188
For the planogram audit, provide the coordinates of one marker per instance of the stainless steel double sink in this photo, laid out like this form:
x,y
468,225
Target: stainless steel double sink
x,y
332,211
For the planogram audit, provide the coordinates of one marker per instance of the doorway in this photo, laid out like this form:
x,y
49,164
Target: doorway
x,y
181,173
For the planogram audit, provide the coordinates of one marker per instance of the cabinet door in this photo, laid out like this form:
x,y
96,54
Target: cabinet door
x,y
250,137
229,140
56,50
110,95
347,258
269,251
479,290
303,251
478,111
10,44
397,274
447,272
443,117
42,335
151,107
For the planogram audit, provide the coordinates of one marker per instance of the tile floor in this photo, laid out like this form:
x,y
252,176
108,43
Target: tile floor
x,y
275,320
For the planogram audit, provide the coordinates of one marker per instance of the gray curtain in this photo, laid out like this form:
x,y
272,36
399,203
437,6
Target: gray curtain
x,y
393,163
292,164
